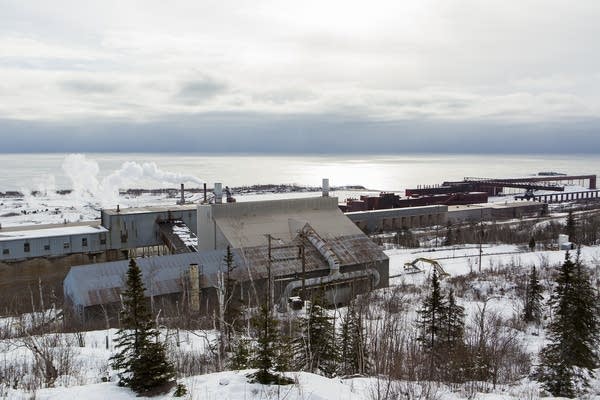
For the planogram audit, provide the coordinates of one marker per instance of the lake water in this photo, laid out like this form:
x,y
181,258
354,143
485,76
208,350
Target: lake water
x,y
377,172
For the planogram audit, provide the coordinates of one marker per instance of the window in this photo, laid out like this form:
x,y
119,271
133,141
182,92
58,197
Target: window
x,y
84,242
26,247
66,245
5,251
46,247
103,238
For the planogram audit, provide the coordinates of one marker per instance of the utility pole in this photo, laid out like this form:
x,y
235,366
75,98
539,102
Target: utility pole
x,y
480,239
303,271
269,284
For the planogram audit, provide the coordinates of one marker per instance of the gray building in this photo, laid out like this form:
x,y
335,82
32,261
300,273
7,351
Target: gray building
x,y
300,246
22,243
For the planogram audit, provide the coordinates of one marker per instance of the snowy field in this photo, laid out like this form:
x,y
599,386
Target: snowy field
x,y
88,364
54,208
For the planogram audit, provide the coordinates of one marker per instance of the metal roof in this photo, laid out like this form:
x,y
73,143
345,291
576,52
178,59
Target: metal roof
x,y
245,224
50,231
150,209
101,283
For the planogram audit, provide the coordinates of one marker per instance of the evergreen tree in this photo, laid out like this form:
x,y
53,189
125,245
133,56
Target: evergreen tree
x,y
430,324
352,344
585,318
453,323
266,355
452,343
241,355
315,348
141,358
532,311
231,303
532,244
568,360
284,354
449,235
571,227
268,337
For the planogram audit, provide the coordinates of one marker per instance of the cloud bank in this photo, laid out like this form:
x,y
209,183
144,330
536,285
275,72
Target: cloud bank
x,y
290,75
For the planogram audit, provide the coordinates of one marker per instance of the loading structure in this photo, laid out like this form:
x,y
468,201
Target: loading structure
x,y
494,186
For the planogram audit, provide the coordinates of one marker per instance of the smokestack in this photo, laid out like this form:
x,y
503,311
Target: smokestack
x,y
182,195
218,192
204,192
194,276
325,187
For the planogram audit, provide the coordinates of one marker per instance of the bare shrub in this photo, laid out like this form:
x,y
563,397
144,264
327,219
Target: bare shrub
x,y
384,388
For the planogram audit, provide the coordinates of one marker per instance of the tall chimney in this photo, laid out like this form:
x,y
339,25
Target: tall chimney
x,y
325,187
204,192
218,192
194,276
182,196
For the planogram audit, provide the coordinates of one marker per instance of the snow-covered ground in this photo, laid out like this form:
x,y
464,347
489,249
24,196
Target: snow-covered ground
x,y
54,208
89,366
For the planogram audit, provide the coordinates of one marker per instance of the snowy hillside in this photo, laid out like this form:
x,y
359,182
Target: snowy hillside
x,y
83,358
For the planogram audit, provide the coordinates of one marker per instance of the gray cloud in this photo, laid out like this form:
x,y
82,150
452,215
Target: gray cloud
x,y
301,134
200,90
88,87
431,68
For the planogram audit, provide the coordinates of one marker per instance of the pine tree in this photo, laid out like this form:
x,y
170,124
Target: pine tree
x,y
449,235
352,344
268,341
585,318
452,339
568,360
284,354
453,324
315,348
532,311
141,358
266,328
241,355
231,306
431,316
532,244
571,227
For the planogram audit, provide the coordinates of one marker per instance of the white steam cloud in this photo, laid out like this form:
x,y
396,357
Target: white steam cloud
x,y
88,188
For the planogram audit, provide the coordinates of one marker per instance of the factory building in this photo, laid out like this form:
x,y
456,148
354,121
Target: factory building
x,y
296,247
394,219
52,240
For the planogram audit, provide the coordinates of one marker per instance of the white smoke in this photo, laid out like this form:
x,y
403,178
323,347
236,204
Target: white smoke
x,y
88,188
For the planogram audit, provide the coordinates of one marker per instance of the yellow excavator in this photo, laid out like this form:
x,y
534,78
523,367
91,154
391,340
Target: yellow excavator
x,y
416,266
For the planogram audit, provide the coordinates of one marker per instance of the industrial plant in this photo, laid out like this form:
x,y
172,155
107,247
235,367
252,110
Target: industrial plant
x,y
285,250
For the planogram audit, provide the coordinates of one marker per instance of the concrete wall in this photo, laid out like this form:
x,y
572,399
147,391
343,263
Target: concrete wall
x,y
53,246
494,211
130,229
471,213
399,218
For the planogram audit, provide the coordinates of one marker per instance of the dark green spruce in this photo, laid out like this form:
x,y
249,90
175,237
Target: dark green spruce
x,y
532,310
315,348
568,361
141,358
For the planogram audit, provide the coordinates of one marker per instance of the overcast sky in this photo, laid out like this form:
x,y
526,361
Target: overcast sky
x,y
302,76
